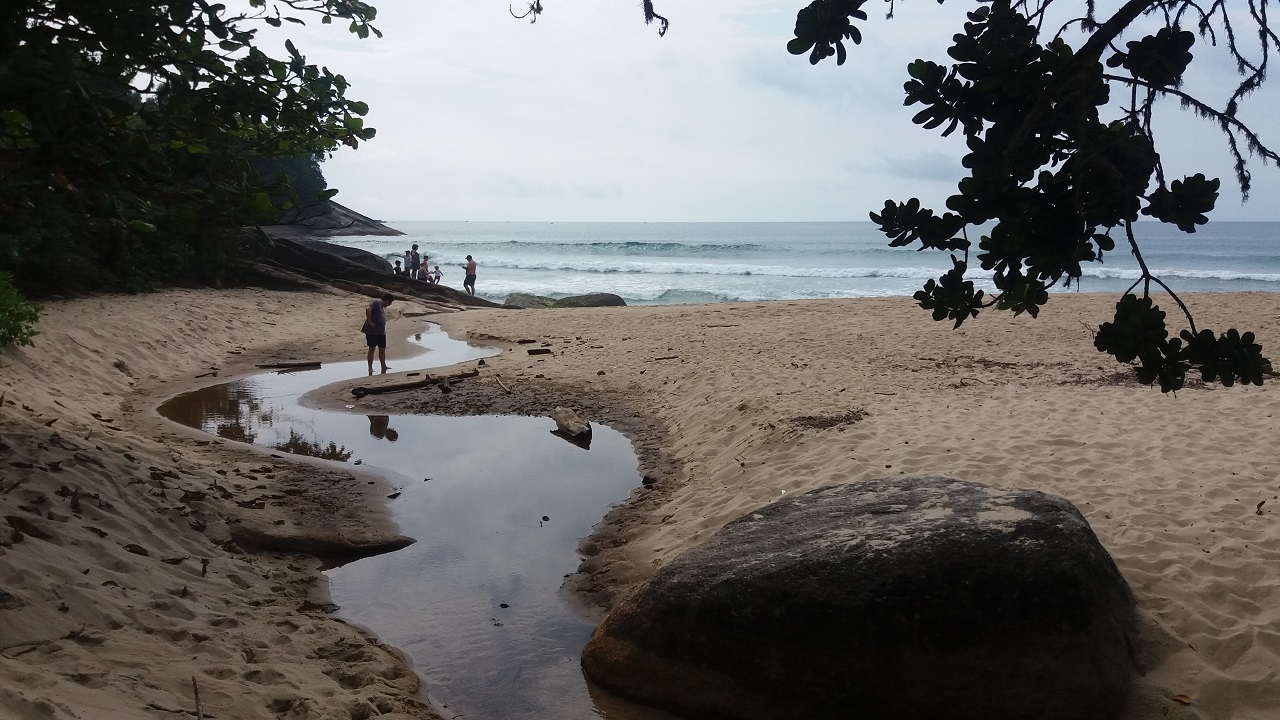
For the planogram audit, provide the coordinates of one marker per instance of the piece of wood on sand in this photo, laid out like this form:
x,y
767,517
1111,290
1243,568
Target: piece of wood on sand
x,y
285,365
362,390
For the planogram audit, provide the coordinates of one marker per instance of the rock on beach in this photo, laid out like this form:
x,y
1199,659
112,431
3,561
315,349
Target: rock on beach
x,y
910,598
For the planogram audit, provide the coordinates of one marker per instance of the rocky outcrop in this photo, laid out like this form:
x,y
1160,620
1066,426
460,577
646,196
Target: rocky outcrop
x,y
528,301
591,300
328,219
356,255
312,259
920,598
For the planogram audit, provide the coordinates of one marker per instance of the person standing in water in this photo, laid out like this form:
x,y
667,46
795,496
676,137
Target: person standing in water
x,y
375,329
469,282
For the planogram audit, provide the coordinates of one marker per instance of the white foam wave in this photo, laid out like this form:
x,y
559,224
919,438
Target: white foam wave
x,y
679,268
1168,273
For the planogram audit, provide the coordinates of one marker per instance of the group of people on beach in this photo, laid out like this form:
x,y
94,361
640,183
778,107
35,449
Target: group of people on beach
x,y
417,267
375,313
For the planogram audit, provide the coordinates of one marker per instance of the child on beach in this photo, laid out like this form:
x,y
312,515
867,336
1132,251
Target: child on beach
x,y
435,276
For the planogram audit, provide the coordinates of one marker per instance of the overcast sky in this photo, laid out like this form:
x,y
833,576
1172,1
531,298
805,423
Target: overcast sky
x,y
589,115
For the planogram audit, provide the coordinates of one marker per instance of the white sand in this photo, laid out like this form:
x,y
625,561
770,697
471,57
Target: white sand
x,y
714,397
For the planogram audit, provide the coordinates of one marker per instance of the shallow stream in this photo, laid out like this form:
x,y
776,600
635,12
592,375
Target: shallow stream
x,y
496,504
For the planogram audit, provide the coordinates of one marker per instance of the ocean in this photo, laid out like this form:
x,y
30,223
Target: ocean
x,y
672,263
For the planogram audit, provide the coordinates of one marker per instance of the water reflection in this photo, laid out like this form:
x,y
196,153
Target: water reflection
x,y
299,445
497,505
379,427
264,410
475,601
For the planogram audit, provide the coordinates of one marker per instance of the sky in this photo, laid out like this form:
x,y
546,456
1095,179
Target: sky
x,y
589,115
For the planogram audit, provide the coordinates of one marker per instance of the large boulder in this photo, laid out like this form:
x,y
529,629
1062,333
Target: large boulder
x,y
527,301
914,598
591,300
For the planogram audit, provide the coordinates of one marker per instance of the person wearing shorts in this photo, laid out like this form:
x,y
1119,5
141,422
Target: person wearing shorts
x,y
469,282
375,329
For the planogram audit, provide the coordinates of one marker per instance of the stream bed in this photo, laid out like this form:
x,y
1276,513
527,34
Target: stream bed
x,y
497,505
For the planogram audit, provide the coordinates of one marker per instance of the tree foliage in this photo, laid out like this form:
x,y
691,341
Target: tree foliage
x,y
297,179
129,129
17,316
1052,180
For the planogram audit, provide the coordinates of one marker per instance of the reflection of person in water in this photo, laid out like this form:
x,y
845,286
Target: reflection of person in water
x,y
378,428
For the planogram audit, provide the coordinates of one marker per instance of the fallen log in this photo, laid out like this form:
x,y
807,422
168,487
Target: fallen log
x,y
283,365
361,390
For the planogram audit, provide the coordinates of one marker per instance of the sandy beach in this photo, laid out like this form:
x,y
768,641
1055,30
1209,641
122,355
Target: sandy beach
x,y
730,407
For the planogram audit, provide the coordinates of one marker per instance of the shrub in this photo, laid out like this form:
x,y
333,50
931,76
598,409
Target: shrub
x,y
17,316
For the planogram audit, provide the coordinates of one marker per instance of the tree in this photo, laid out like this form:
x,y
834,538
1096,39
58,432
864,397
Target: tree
x,y
1051,182
127,131
1052,177
298,177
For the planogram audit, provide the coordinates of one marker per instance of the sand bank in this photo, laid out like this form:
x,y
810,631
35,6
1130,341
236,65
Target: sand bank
x,y
108,607
730,407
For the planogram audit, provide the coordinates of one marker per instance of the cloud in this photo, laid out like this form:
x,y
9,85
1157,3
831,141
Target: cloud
x,y
589,115
931,166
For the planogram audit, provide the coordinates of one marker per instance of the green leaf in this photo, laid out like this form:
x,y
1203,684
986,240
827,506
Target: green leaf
x,y
1159,59
799,46
1186,203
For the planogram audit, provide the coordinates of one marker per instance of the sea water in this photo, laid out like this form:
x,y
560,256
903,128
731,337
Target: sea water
x,y
669,263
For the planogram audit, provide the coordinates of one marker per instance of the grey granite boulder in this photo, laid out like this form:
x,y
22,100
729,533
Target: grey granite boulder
x,y
913,598
591,300
528,301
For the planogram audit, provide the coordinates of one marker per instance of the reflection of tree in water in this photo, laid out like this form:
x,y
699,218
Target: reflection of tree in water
x,y
299,445
234,430
232,411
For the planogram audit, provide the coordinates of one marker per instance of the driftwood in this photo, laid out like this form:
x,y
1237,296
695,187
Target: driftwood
x,y
500,384
284,365
195,689
361,390
539,351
